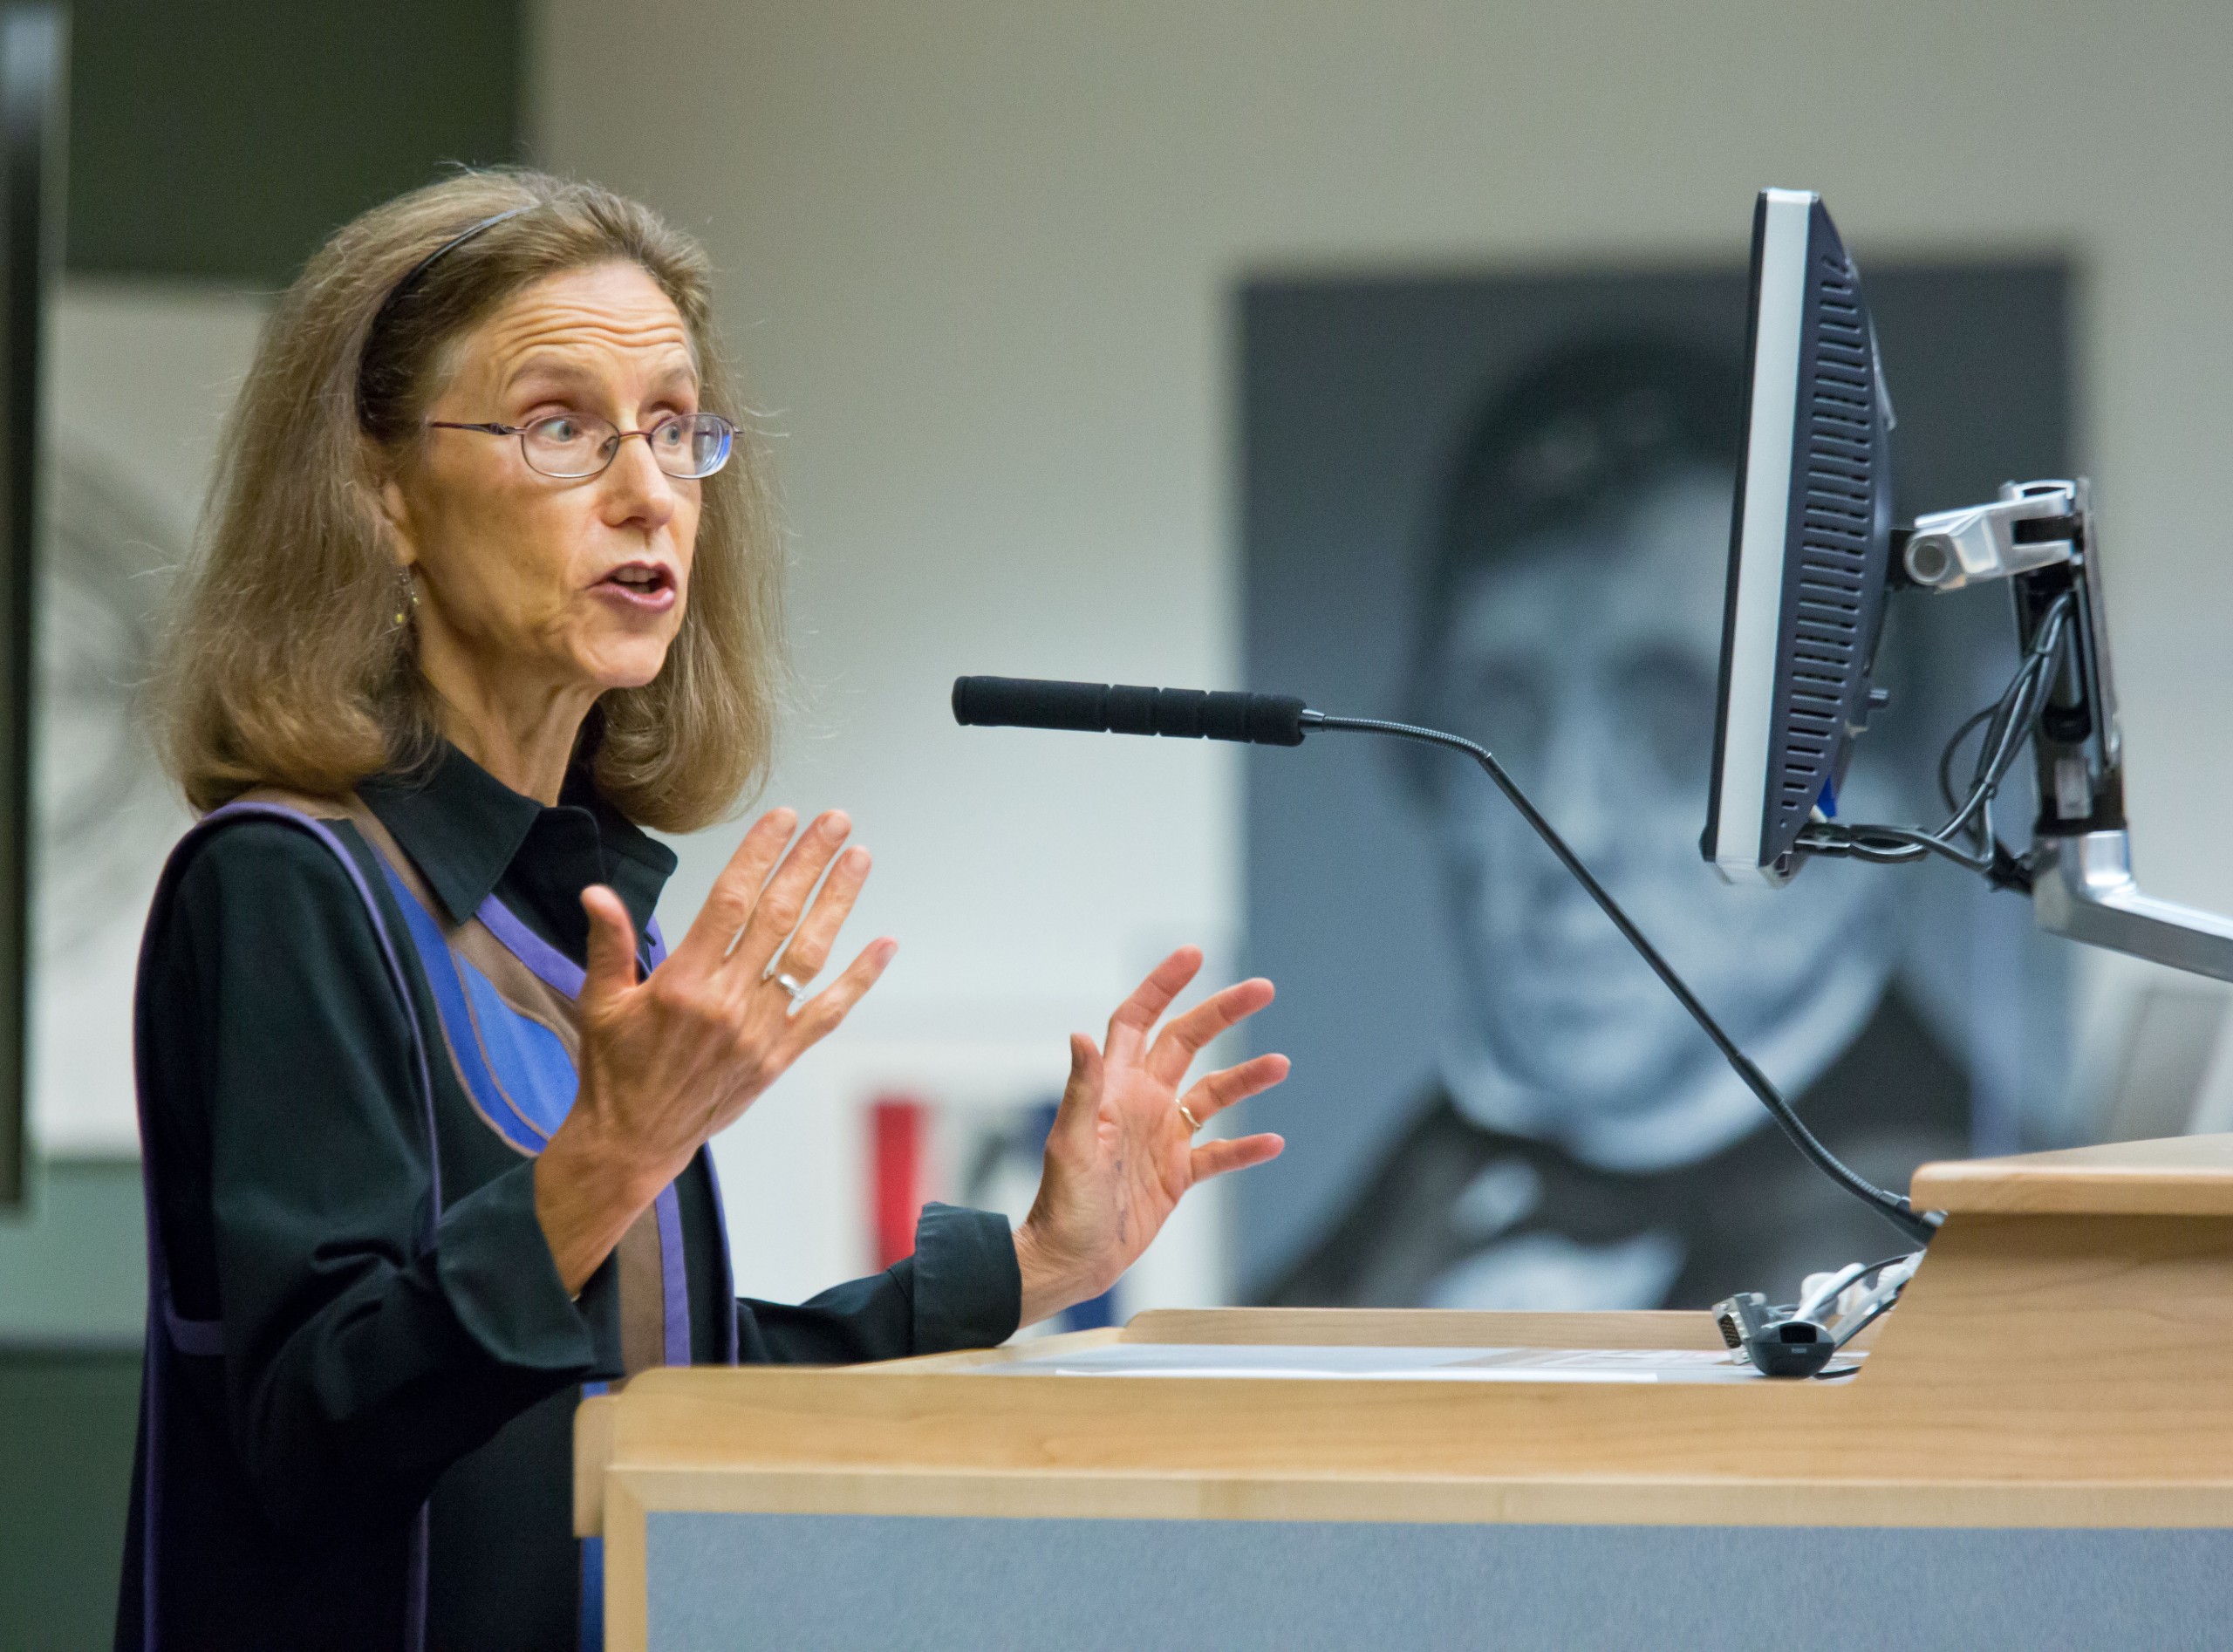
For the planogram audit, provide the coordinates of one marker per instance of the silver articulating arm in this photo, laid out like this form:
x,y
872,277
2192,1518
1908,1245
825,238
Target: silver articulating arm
x,y
2039,537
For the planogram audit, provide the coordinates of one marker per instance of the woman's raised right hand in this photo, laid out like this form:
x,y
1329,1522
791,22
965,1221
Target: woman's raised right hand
x,y
675,1058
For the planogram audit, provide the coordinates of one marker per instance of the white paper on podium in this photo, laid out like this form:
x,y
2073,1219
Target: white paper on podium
x,y
1392,1364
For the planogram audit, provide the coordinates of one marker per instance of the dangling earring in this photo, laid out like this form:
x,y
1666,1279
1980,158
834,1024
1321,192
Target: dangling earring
x,y
410,599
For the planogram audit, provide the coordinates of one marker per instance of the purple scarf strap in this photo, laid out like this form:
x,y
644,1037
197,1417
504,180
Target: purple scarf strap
x,y
167,1331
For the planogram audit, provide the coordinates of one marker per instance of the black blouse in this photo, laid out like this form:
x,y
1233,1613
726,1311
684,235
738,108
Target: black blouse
x,y
365,1373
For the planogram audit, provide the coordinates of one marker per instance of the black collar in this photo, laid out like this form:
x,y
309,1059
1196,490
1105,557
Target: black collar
x,y
468,833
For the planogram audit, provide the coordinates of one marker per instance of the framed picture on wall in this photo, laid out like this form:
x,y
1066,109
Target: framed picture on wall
x,y
1501,504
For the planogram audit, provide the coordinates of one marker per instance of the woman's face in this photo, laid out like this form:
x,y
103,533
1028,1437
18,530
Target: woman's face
x,y
1587,662
530,583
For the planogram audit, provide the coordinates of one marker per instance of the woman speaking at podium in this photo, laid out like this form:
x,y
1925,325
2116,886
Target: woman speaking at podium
x,y
489,584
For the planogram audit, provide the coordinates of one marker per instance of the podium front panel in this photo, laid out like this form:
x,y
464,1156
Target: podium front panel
x,y
853,1583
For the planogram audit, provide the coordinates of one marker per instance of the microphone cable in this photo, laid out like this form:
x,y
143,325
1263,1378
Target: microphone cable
x,y
1917,1225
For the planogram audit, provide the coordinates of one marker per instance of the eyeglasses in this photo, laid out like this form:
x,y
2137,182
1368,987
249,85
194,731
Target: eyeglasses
x,y
688,447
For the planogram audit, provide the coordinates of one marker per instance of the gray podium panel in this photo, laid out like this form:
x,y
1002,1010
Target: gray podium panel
x,y
866,1583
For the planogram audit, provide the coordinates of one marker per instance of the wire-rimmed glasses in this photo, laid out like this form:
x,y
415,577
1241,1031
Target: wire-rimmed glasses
x,y
688,447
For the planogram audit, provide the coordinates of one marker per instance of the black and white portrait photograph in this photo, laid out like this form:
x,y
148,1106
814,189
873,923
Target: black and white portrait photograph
x,y
1501,506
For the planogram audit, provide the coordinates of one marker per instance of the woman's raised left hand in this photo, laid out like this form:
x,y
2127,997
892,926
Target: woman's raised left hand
x,y
1121,1154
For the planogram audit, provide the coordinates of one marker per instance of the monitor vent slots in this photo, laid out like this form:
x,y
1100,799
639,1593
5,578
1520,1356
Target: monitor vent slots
x,y
1825,630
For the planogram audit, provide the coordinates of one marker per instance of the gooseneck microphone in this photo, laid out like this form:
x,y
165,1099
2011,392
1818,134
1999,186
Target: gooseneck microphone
x,y
1282,719
1113,709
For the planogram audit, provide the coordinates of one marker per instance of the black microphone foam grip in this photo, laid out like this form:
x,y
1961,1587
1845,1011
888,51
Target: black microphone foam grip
x,y
1182,714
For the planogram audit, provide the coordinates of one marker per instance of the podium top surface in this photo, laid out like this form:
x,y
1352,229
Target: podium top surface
x,y
2176,1176
2046,1368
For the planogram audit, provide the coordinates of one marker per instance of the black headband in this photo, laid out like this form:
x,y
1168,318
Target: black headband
x,y
411,277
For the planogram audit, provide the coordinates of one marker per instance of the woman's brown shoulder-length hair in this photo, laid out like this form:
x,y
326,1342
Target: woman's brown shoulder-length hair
x,y
289,660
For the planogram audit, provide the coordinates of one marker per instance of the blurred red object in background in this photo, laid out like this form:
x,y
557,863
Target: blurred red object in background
x,y
899,1127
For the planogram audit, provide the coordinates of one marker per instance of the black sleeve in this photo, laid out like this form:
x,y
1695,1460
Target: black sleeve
x,y
960,1289
359,1358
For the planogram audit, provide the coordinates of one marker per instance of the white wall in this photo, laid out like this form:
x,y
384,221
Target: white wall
x,y
978,258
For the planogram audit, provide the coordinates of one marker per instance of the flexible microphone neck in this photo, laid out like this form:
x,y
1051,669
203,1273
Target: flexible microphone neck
x,y
1918,1226
1282,719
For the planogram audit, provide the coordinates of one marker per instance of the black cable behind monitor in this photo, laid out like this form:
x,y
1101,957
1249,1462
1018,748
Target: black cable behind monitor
x,y
2009,724
1281,719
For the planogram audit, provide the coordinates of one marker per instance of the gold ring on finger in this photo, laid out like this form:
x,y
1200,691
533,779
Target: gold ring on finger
x,y
1193,1125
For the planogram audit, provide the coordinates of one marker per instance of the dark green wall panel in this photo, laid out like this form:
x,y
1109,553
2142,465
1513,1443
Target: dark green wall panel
x,y
221,139
68,1422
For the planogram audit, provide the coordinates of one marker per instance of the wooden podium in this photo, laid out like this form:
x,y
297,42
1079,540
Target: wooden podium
x,y
2036,1451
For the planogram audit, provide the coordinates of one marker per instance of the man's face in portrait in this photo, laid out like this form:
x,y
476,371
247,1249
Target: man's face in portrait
x,y
1586,656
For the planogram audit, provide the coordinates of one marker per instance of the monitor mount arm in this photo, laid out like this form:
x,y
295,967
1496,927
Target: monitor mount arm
x,y
2039,537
